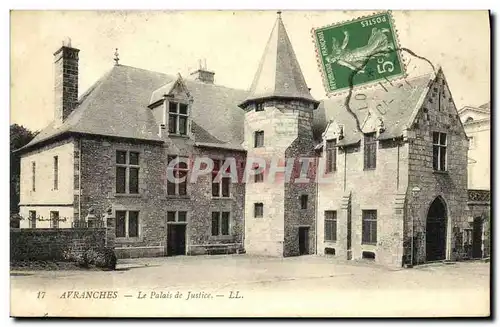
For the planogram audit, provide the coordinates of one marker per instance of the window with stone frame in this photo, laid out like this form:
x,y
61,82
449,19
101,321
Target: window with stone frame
x,y
127,172
176,216
369,227
32,218
331,155
221,223
439,145
33,176
259,106
54,219
370,151
127,223
178,186
258,210
331,225
258,139
178,118
220,186
56,172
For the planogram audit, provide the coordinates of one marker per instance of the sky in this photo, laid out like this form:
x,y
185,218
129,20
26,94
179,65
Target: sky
x,y
230,42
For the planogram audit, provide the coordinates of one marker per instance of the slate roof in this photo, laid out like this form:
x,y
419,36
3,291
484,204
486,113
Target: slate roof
x,y
279,73
401,100
117,105
486,106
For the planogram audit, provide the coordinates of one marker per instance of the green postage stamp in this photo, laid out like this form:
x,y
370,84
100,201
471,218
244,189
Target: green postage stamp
x,y
358,52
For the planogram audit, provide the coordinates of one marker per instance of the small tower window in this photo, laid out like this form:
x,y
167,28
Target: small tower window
x,y
259,139
258,210
303,201
259,106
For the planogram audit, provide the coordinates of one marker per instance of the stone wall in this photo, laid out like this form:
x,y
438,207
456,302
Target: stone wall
x,y
286,126
351,189
98,177
51,244
437,115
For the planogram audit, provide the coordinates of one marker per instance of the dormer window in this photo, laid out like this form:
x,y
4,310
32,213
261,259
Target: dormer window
x,y
259,106
177,118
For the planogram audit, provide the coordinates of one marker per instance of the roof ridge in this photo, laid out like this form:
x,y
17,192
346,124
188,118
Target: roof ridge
x,y
186,79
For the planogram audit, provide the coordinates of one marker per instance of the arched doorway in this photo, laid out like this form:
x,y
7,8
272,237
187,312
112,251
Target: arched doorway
x,y
435,236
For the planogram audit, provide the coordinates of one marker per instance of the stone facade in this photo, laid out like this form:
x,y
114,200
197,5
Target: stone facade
x,y
403,164
287,136
98,192
449,185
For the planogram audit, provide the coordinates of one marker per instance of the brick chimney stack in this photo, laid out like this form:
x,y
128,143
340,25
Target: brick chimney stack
x,y
203,75
66,81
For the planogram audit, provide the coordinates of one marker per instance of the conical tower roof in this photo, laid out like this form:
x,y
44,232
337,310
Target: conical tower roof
x,y
279,74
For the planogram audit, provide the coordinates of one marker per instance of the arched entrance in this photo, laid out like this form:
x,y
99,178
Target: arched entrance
x,y
435,236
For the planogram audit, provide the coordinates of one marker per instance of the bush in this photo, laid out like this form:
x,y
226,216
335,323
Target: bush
x,y
105,258
102,258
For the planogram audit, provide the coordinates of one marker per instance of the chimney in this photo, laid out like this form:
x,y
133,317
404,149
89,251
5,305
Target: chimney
x,y
204,75
66,80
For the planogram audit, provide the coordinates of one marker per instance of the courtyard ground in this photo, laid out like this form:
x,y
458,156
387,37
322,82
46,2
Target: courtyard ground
x,y
242,285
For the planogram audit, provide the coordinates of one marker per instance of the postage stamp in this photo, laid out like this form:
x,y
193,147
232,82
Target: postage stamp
x,y
358,52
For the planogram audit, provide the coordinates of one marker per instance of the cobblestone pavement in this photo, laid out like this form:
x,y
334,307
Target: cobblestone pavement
x,y
256,286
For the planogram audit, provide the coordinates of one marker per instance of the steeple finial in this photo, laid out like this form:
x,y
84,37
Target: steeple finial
x,y
117,58
279,13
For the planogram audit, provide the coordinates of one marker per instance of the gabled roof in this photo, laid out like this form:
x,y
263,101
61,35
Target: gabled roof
x,y
398,101
486,106
279,73
484,109
117,105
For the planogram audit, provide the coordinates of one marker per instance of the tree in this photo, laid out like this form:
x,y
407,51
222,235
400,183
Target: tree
x,y
19,137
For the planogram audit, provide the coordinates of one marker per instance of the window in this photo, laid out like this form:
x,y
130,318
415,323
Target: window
x,y
33,176
56,172
369,227
127,172
127,223
179,171
54,219
370,161
303,201
469,120
220,223
471,142
220,187
177,216
331,226
32,218
259,139
177,118
439,151
259,178
331,155
258,210
259,106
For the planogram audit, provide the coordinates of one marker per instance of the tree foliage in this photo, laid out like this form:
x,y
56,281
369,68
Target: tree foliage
x,y
19,137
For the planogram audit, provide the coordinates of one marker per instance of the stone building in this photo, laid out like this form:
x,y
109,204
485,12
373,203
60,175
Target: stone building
x,y
402,172
476,121
113,148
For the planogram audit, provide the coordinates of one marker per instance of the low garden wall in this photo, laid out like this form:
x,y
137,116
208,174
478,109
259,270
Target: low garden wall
x,y
53,244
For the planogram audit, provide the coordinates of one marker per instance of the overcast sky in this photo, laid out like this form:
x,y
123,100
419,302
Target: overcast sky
x,y
230,42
